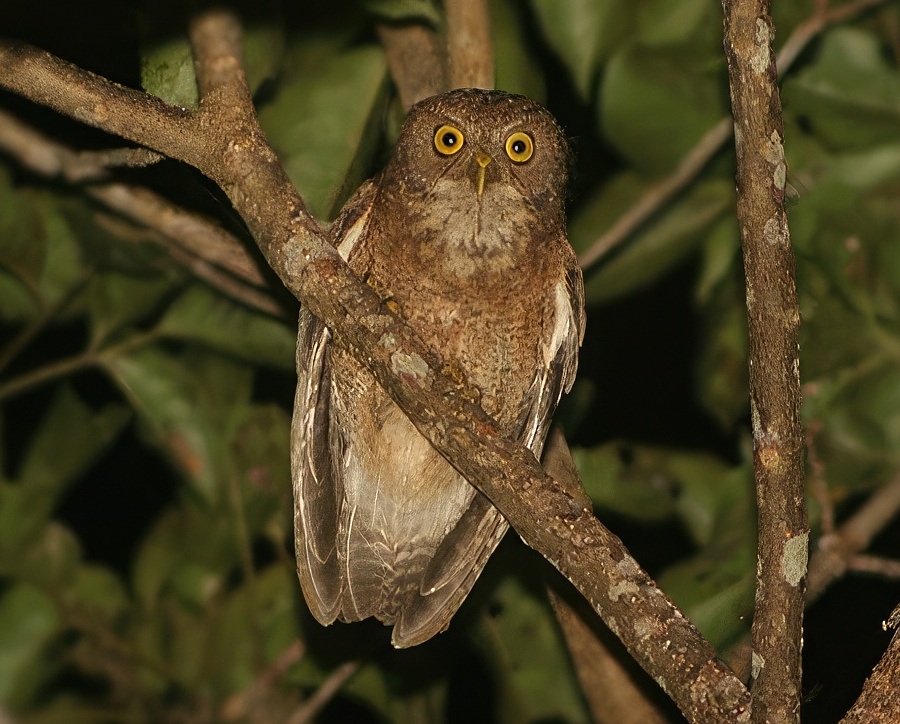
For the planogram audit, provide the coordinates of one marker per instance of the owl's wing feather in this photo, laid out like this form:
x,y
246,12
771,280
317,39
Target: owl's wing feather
x,y
317,493
561,342
318,490
452,572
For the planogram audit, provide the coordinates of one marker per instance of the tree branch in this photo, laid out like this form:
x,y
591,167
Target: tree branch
x,y
192,239
226,144
469,44
835,551
879,701
774,322
417,58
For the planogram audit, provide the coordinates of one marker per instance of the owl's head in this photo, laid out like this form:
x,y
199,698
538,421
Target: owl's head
x,y
484,145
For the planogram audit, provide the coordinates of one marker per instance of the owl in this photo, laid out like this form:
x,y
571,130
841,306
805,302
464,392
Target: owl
x,y
463,233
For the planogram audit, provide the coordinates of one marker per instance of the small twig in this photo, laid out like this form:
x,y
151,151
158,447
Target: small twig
x,y
194,240
84,166
834,552
821,19
70,365
875,565
324,693
44,317
200,267
193,233
469,44
237,706
610,692
653,199
608,689
657,195
818,484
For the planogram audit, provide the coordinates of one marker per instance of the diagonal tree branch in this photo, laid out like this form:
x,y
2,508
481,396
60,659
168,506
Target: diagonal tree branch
x,y
879,701
194,240
774,322
223,140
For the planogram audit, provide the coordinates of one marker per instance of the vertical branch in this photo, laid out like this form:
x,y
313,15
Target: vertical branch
x,y
469,44
417,58
774,321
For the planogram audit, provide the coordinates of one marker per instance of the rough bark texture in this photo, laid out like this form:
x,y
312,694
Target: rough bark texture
x,y
774,322
223,140
879,702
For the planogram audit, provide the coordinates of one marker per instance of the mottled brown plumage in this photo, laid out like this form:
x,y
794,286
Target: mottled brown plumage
x,y
465,231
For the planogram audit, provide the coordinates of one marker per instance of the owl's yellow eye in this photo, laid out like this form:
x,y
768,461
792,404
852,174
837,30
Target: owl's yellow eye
x,y
519,147
448,140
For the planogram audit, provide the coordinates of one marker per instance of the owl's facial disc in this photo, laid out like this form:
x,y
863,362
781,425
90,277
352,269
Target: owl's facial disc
x,y
482,159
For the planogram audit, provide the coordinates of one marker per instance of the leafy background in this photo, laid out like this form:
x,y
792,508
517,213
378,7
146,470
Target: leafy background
x,y
146,573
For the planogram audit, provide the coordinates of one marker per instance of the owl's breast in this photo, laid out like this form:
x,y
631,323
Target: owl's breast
x,y
465,236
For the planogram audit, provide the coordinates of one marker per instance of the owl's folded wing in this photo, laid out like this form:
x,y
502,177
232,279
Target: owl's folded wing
x,y
317,495
318,488
562,338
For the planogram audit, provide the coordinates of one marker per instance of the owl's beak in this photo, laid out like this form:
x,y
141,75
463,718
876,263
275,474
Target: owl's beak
x,y
483,160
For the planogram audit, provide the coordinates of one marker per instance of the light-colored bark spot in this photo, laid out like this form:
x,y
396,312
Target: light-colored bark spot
x,y
757,664
759,63
623,588
774,231
409,365
794,558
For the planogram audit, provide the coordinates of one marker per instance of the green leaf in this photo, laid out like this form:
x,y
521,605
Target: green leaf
x,y
673,22
22,252
850,94
263,44
657,104
405,10
189,553
51,560
116,300
709,490
256,623
191,405
99,593
721,371
167,72
324,124
620,477
715,588
536,676
715,591
28,622
70,439
167,64
261,454
583,33
515,69
40,256
201,316
660,246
